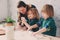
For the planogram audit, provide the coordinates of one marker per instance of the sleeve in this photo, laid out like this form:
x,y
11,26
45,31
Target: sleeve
x,y
39,23
47,26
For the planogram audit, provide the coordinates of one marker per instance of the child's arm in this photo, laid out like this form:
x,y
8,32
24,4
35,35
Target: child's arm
x,y
40,31
27,25
44,29
30,27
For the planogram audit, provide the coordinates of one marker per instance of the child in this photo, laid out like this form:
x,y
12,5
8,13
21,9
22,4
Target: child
x,y
33,18
46,23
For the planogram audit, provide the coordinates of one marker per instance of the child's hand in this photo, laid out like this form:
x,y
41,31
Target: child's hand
x,y
29,28
36,33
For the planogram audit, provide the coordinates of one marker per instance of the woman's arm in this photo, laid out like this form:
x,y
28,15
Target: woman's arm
x,y
18,27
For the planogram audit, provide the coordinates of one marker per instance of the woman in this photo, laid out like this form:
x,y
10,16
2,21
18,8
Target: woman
x,y
22,10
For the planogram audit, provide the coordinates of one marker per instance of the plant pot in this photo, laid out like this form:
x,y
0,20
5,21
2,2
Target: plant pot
x,y
9,24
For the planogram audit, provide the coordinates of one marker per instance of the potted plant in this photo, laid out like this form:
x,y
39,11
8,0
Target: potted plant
x,y
9,28
9,21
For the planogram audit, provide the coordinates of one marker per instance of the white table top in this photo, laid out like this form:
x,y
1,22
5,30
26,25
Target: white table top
x,y
26,35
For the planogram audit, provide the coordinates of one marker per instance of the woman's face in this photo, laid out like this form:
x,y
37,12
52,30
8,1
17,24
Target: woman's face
x,y
22,10
30,15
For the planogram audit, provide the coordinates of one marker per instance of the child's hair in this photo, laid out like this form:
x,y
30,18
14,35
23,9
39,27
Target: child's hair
x,y
48,9
35,12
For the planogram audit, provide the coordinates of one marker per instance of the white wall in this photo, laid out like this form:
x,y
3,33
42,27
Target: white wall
x,y
3,9
13,9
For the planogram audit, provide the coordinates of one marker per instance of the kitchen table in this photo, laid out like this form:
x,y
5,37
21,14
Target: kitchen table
x,y
27,35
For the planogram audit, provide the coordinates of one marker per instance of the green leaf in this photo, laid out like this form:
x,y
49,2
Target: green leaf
x,y
9,20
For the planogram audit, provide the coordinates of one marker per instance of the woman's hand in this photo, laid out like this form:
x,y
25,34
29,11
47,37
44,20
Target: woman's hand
x,y
23,19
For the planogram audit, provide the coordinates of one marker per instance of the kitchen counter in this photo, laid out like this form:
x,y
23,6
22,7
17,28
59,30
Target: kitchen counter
x,y
27,35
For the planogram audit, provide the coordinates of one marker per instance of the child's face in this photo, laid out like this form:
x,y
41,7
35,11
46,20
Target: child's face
x,y
22,10
30,15
44,15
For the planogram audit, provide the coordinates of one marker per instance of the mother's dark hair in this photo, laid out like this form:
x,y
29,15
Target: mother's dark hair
x,y
21,4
